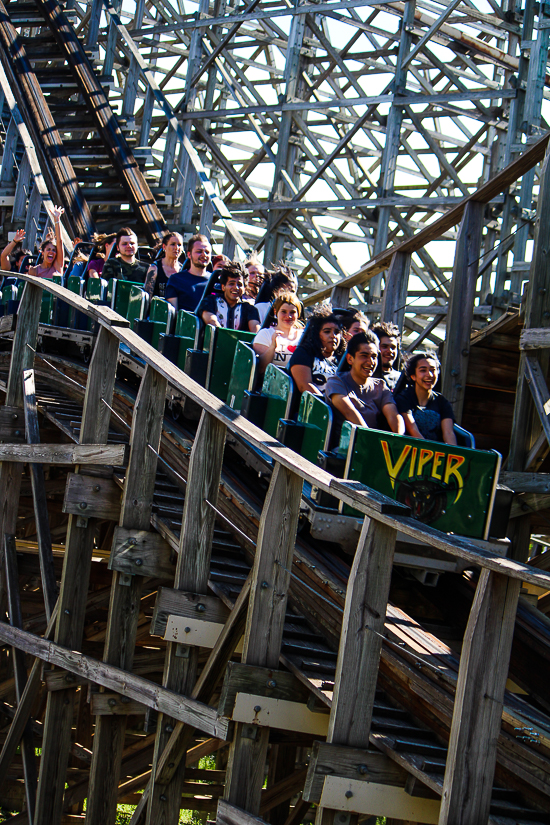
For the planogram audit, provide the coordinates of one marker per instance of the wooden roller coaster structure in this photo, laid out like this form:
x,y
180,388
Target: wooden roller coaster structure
x,y
250,641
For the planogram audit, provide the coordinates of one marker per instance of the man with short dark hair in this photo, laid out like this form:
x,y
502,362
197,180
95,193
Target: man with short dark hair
x,y
229,310
185,288
356,395
124,266
388,336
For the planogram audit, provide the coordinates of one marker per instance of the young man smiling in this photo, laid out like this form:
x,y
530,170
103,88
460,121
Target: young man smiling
x,y
185,288
358,397
229,310
125,266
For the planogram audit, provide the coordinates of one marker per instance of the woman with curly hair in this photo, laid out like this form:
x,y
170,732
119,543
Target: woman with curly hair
x,y
315,360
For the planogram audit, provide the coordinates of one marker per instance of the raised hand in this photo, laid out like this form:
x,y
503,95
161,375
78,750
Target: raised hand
x,y
19,235
57,212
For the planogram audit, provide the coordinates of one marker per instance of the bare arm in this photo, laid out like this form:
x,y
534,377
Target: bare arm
x,y
394,419
59,262
6,252
449,436
410,425
210,318
173,301
264,353
304,379
150,280
253,326
344,406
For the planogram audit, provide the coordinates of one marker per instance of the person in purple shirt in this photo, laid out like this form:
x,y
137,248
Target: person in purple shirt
x,y
184,289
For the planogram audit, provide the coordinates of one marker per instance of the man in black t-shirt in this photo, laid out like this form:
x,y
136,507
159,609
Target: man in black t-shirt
x,y
229,310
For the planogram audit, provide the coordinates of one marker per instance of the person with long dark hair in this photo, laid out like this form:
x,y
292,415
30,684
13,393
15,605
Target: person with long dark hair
x,y
427,413
282,280
315,359
52,257
165,266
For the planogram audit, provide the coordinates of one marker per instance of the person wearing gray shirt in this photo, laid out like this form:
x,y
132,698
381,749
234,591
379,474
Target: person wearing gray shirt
x,y
358,397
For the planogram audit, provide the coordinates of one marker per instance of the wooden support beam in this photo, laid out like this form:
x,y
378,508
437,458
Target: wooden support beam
x,y
395,291
172,602
24,707
74,587
114,454
120,681
192,571
537,317
47,572
361,640
135,515
461,306
20,673
264,627
478,703
229,814
539,391
22,358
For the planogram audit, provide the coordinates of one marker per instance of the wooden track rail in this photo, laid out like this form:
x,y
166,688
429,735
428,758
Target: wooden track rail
x,y
189,681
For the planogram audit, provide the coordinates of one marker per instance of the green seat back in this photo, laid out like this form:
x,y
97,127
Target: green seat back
x,y
187,325
46,307
20,288
316,415
447,487
159,310
185,344
137,304
94,289
277,386
243,374
221,347
9,293
74,284
122,297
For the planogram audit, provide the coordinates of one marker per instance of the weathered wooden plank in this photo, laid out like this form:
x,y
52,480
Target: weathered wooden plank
x,y
264,626
361,638
92,497
535,338
114,454
361,641
192,570
120,681
394,299
188,605
539,391
22,357
141,552
461,305
20,672
478,703
526,482
350,763
47,572
58,722
135,515
8,323
262,681
24,707
12,425
108,704
396,804
228,814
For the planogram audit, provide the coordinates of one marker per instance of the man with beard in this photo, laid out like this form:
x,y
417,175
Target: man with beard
x,y
185,288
